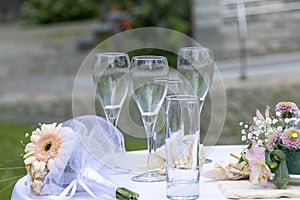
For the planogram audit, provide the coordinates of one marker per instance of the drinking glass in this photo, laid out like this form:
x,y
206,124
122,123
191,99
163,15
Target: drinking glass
x,y
196,66
149,78
182,142
111,77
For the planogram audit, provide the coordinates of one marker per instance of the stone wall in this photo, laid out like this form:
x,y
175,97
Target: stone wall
x,y
275,31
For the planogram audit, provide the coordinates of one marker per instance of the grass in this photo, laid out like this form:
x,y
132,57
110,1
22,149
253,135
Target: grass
x,y
132,143
11,150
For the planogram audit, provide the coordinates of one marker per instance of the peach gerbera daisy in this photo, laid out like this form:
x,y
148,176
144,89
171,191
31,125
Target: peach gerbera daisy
x,y
49,149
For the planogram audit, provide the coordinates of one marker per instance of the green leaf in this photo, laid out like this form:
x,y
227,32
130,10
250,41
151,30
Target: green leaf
x,y
281,178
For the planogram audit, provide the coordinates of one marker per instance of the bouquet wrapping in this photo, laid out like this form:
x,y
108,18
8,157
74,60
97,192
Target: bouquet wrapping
x,y
61,160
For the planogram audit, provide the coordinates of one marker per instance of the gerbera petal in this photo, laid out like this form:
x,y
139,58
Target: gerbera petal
x,y
55,165
50,164
58,128
64,155
29,160
44,129
51,127
66,130
35,138
37,186
29,147
40,166
28,154
58,163
38,131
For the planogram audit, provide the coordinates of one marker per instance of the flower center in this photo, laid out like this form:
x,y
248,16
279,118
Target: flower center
x,y
294,135
48,146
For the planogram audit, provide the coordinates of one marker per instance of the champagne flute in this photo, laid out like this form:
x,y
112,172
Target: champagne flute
x,y
174,88
110,74
196,67
149,78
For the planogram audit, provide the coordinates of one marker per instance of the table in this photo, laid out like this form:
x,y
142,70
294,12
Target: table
x,y
157,191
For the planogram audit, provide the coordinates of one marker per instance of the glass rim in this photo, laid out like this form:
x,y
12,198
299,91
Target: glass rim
x,y
111,54
174,80
182,97
149,57
197,49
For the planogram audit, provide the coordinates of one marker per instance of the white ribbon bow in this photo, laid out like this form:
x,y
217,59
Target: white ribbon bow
x,y
90,175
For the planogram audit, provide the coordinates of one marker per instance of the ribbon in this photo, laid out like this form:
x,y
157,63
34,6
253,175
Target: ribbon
x,y
90,175
73,187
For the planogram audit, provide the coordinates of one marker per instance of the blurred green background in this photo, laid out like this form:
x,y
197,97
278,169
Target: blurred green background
x,y
38,14
173,14
43,43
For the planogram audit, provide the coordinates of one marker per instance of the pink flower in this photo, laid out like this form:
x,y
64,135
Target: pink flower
x,y
286,107
257,163
267,111
291,138
260,116
272,139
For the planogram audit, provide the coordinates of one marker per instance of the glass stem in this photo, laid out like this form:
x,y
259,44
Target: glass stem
x,y
112,118
114,121
149,127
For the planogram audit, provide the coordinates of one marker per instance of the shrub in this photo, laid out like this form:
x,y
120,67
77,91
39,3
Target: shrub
x,y
173,14
49,11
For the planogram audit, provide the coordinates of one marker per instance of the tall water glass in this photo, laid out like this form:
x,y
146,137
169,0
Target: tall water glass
x,y
182,142
111,77
149,78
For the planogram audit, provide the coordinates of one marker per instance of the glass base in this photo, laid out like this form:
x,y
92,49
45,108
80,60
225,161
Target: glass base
x,y
151,176
183,198
121,170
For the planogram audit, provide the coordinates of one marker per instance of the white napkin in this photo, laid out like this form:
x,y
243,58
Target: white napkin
x,y
228,171
137,161
245,190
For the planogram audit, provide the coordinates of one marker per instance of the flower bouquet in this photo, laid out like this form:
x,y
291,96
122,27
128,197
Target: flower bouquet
x,y
271,140
60,162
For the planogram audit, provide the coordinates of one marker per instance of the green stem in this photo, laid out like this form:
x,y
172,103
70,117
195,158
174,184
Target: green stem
x,y
126,194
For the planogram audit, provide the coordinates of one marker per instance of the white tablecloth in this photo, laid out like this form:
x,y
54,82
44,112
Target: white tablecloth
x,y
157,191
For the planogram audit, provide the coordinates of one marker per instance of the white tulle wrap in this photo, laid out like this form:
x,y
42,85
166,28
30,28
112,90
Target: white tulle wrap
x,y
85,172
